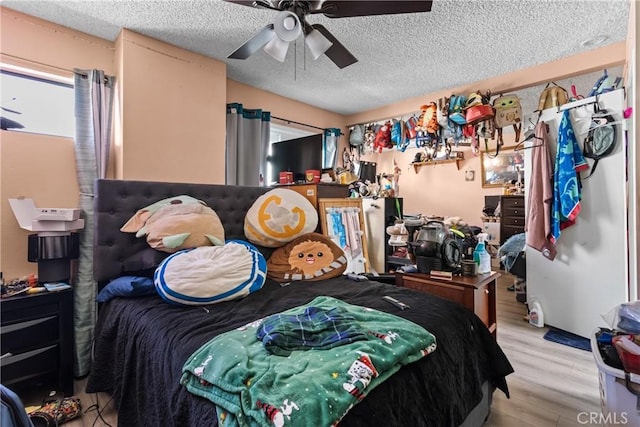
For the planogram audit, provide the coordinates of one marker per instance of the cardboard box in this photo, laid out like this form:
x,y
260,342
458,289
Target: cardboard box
x,y
26,213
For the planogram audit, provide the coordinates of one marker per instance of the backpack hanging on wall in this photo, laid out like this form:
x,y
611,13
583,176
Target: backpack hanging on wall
x,y
601,137
485,130
552,96
443,112
369,137
430,118
456,109
605,84
427,127
383,137
508,113
456,117
397,133
356,136
478,109
410,128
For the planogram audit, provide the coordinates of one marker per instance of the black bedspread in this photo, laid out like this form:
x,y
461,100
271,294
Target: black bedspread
x,y
142,343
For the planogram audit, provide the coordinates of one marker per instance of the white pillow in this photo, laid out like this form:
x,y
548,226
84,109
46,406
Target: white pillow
x,y
211,274
278,217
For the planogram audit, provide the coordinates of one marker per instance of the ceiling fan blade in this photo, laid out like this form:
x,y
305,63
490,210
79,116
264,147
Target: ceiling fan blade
x,y
337,52
241,2
347,9
253,3
254,44
11,111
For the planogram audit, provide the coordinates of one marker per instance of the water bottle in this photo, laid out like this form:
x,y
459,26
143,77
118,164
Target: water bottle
x,y
480,255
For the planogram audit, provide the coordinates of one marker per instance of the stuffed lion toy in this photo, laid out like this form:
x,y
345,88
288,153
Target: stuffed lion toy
x,y
177,223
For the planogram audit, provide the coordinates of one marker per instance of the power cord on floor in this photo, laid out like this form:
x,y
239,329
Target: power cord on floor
x,y
96,407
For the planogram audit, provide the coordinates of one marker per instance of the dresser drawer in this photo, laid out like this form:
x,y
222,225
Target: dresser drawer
x,y
34,363
514,221
448,291
28,309
513,212
29,334
477,293
512,202
508,231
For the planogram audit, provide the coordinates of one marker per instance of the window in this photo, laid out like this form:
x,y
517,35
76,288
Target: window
x,y
36,102
280,133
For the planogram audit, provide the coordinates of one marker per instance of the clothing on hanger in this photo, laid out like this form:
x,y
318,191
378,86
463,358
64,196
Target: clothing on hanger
x,y
538,218
566,186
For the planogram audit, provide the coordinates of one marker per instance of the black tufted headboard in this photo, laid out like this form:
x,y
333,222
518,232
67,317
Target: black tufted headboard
x,y
116,253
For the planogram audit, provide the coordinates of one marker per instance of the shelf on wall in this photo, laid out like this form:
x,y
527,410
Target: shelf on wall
x,y
418,165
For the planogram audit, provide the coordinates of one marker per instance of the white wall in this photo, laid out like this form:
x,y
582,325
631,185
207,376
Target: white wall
x,y
590,274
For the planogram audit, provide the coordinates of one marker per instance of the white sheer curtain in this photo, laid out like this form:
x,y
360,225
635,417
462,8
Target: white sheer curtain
x,y
94,93
330,147
247,145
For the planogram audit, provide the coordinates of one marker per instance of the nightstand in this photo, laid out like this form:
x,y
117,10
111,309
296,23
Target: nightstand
x,y
477,293
37,341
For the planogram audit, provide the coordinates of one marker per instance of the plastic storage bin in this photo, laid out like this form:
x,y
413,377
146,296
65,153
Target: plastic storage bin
x,y
617,401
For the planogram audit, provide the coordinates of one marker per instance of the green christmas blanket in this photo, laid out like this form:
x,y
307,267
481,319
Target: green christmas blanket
x,y
306,366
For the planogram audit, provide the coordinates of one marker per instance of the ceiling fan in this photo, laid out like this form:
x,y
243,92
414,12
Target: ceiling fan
x,y
290,22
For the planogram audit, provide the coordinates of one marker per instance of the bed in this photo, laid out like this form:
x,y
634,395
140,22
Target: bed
x,y
141,344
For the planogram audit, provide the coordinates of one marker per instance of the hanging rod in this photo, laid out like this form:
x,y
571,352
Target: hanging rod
x,y
579,103
296,123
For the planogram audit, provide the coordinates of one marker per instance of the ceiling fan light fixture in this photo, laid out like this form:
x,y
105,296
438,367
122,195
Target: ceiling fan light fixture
x,y
277,48
317,43
287,26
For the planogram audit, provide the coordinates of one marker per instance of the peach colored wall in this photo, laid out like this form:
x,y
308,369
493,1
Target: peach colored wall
x,y
287,108
49,47
117,161
42,168
441,189
173,112
283,107
37,166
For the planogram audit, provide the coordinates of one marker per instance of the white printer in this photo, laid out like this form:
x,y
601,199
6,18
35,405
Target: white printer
x,y
56,242
32,218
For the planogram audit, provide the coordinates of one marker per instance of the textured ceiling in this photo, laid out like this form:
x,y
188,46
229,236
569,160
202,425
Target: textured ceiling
x,y
400,56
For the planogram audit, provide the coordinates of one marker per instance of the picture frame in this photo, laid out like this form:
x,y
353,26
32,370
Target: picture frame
x,y
504,169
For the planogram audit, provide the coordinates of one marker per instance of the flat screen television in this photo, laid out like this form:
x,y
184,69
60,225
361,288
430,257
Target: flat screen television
x,y
297,156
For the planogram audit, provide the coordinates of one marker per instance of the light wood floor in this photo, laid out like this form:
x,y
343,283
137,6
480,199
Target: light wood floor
x,y
551,385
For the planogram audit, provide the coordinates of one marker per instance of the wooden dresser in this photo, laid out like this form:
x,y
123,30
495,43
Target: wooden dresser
x,y
313,192
511,216
477,293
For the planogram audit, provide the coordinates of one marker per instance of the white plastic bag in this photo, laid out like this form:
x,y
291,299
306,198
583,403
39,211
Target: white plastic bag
x,y
624,317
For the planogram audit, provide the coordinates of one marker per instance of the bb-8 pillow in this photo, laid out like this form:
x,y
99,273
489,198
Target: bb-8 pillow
x,y
278,217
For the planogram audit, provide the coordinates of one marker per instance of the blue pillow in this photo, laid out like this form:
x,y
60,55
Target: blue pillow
x,y
127,286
